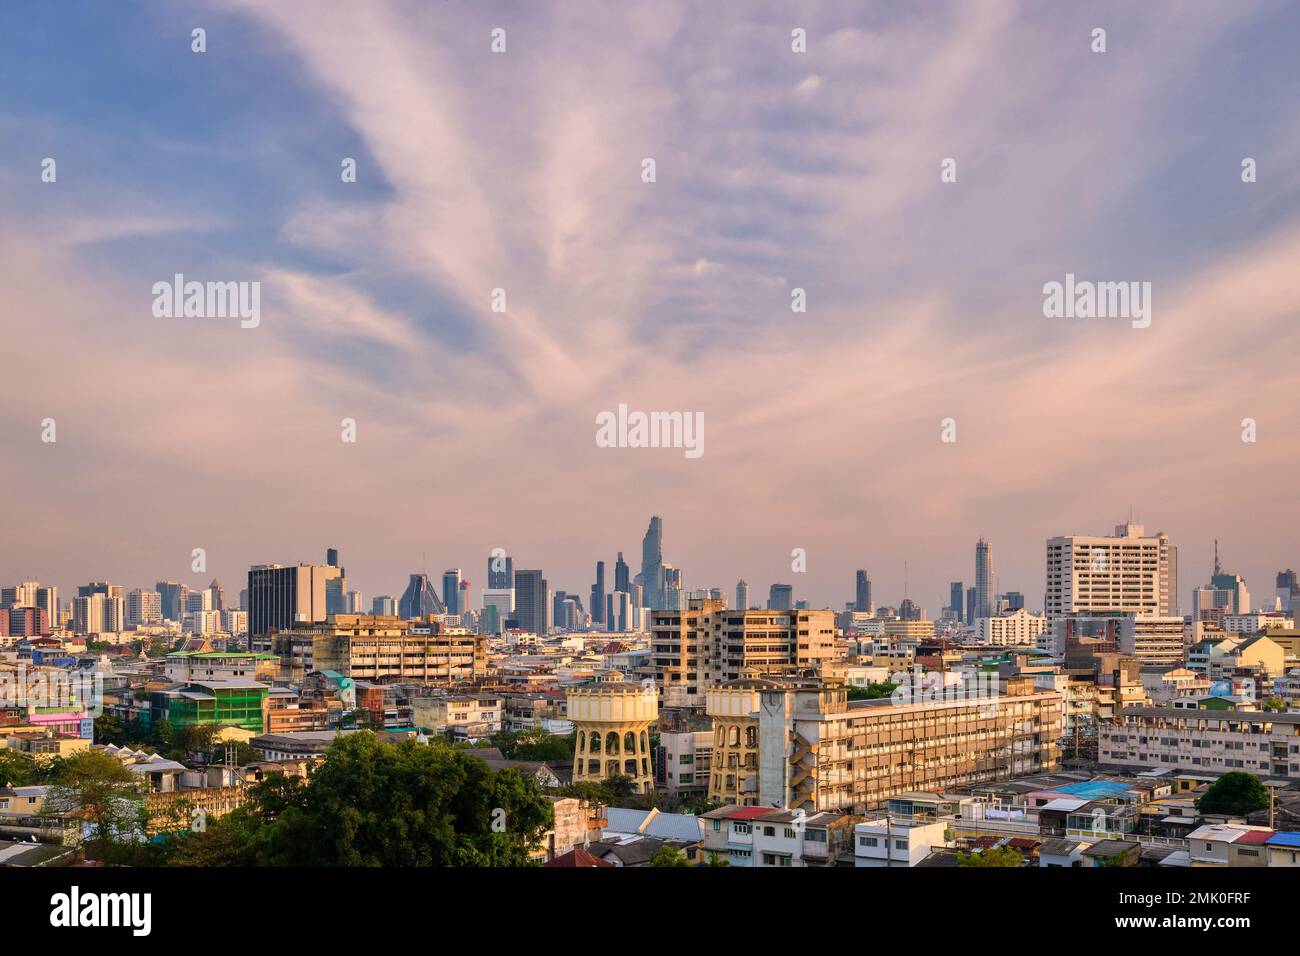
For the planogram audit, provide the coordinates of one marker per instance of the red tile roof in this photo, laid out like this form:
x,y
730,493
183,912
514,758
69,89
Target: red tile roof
x,y
577,857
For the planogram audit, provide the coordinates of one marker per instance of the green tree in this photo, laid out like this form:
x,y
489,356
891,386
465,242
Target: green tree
x,y
99,790
534,744
17,768
995,856
372,803
1235,794
873,691
668,856
1276,704
715,860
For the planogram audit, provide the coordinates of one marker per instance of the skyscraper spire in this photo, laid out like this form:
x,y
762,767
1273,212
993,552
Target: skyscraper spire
x,y
1218,569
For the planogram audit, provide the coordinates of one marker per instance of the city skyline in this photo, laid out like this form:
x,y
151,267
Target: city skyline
x,y
840,585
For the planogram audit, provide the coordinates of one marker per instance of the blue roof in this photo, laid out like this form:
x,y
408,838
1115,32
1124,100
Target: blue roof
x,y
1284,839
1094,789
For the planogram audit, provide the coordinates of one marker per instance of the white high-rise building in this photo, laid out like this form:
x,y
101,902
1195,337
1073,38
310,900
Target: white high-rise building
x,y
1017,628
1127,572
143,607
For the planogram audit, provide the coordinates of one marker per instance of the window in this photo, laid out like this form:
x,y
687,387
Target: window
x,y
789,833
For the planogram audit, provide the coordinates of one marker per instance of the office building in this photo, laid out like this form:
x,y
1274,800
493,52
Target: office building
x,y
1127,572
598,610
862,592
742,595
652,567
532,602
780,597
383,606
983,579
451,590
501,572
419,600
281,596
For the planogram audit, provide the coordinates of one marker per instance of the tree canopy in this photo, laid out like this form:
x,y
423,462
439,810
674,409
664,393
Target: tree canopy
x,y
1235,794
378,804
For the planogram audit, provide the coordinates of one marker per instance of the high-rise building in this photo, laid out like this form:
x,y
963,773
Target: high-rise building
x,y
32,594
972,604
143,607
652,563
501,572
498,607
175,599
532,602
451,590
742,595
1234,584
598,595
383,606
419,600
1015,600
955,604
622,582
98,613
983,579
1287,590
1128,572
862,596
281,596
706,644
332,557
780,597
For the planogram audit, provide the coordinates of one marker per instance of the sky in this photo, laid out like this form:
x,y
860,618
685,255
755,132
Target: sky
x,y
521,170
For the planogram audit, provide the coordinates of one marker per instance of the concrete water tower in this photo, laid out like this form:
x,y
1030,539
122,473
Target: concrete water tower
x,y
612,721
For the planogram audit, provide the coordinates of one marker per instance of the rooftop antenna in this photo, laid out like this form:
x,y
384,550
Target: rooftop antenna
x,y
1217,569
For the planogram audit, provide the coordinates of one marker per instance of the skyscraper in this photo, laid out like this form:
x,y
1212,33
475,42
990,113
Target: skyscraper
x,y
1287,589
418,600
174,599
955,603
532,605
983,579
383,605
622,580
780,597
280,597
501,572
451,590
598,595
652,564
972,605
862,596
742,595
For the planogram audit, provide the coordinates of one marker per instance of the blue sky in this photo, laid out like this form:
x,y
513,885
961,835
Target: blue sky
x,y
776,170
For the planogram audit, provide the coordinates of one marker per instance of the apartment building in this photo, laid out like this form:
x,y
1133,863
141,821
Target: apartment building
x,y
376,648
1208,741
1017,628
462,717
1152,639
894,841
685,761
1128,571
818,751
776,838
706,644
